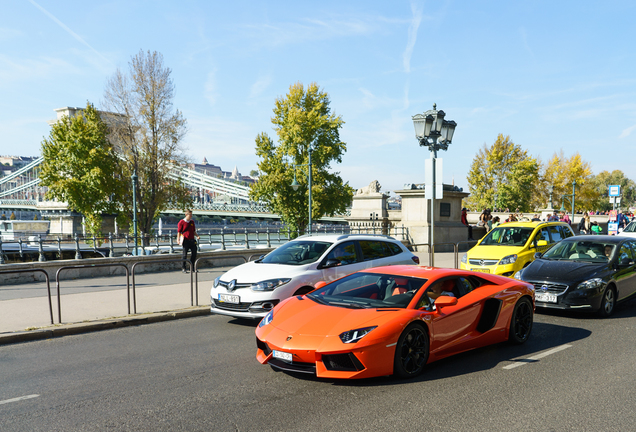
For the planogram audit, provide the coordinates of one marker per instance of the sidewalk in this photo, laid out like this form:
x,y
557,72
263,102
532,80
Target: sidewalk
x,y
25,315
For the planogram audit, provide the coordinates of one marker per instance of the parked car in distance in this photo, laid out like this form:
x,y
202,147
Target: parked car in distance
x,y
252,289
511,246
591,272
393,320
629,231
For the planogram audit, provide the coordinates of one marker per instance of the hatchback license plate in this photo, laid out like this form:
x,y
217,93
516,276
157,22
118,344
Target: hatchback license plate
x,y
285,356
229,298
545,297
480,270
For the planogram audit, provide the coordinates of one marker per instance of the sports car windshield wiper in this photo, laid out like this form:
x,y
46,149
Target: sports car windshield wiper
x,y
317,299
351,305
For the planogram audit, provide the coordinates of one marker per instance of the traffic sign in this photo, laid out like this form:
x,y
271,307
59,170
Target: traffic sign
x,y
614,190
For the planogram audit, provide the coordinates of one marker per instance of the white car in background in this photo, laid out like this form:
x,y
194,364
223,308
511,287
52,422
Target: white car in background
x,y
629,231
252,289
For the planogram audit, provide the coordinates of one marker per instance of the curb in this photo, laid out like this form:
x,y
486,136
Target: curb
x,y
93,326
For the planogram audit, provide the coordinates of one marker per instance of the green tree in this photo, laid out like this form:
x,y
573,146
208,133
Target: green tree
x,y
603,180
80,166
505,170
147,131
302,118
560,172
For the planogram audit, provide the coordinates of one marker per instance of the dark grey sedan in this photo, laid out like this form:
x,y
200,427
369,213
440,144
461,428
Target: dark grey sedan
x,y
584,272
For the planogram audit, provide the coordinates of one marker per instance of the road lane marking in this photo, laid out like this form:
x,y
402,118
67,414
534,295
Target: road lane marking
x,y
18,399
524,361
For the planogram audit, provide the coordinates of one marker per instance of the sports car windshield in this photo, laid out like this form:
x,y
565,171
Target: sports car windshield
x,y
587,251
507,236
297,253
369,290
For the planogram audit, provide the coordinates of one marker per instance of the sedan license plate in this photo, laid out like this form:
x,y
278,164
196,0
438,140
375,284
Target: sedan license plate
x,y
284,356
481,270
545,297
229,298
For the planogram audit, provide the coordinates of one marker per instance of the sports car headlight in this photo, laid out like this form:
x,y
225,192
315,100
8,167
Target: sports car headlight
x,y
590,284
269,285
508,259
353,336
266,319
216,281
518,275
465,258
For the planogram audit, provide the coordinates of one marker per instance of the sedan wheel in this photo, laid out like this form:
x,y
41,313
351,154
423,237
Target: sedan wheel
x,y
411,352
521,321
608,303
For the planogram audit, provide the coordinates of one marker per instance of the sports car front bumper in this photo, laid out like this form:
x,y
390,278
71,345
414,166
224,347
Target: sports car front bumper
x,y
324,356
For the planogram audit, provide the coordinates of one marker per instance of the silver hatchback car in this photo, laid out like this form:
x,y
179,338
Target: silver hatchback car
x,y
252,289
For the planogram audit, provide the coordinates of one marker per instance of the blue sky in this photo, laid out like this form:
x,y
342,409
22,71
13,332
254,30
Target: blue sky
x,y
552,75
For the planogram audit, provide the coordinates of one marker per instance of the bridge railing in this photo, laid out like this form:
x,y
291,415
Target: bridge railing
x,y
51,247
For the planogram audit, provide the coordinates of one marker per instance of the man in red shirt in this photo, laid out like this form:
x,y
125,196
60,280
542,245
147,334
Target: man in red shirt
x,y
188,231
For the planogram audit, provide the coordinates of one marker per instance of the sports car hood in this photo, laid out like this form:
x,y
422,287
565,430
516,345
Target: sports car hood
x,y
306,317
567,271
253,272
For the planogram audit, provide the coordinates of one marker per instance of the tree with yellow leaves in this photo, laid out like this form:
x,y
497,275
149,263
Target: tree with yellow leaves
x,y
505,171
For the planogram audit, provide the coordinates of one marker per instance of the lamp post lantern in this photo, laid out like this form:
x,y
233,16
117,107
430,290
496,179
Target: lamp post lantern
x,y
295,184
432,131
134,186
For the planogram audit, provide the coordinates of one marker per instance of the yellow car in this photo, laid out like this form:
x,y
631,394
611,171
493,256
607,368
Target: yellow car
x,y
512,245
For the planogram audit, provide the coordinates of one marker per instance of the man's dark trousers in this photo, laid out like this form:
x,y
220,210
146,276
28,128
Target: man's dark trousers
x,y
192,246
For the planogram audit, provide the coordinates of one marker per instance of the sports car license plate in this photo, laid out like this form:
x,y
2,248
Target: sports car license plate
x,y
285,356
545,297
480,270
229,298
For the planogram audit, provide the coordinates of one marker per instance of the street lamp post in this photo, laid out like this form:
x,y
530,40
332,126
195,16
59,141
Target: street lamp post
x,y
134,186
295,184
432,131
572,196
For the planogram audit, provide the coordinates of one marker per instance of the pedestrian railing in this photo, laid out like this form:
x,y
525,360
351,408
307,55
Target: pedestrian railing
x,y
57,282
48,286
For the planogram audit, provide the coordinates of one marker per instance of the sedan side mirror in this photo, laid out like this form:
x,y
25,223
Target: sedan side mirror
x,y
542,243
537,255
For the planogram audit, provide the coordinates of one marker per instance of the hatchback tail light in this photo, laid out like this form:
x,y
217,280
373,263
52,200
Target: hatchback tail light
x,y
415,259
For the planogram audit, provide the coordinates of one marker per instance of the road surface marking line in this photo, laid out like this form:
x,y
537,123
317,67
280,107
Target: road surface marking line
x,y
18,399
521,362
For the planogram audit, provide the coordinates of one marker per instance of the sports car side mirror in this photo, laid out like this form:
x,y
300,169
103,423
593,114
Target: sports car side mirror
x,y
443,301
320,284
537,255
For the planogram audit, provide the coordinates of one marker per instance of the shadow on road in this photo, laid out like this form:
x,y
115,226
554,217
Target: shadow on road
x,y
544,337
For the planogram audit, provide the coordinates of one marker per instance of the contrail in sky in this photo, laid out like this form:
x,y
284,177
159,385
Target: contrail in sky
x,y
68,30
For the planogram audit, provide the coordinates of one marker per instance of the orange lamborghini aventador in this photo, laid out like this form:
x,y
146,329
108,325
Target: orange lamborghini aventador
x,y
393,320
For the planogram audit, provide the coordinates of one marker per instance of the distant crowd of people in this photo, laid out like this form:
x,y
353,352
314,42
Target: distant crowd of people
x,y
585,225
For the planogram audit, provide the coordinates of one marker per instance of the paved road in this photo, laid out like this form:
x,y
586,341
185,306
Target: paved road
x,y
576,373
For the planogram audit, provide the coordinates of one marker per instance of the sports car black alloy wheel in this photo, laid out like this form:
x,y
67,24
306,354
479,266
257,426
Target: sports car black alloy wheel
x,y
411,352
521,322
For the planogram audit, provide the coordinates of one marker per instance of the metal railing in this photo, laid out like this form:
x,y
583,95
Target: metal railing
x,y
58,247
57,282
48,286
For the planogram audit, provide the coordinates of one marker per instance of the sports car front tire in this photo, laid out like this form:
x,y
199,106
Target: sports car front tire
x,y
411,352
521,321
